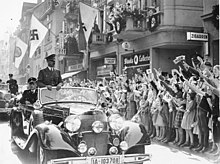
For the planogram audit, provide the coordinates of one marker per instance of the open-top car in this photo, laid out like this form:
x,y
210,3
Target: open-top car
x,y
66,127
6,101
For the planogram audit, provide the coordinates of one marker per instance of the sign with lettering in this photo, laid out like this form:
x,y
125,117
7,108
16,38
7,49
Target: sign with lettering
x,y
197,36
104,70
109,61
141,58
75,67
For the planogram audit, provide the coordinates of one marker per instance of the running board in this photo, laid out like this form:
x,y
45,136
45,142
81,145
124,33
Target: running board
x,y
20,141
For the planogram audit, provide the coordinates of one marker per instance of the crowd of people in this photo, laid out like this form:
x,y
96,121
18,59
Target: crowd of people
x,y
181,108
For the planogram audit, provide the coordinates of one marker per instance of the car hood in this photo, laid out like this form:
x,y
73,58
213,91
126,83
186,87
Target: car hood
x,y
78,108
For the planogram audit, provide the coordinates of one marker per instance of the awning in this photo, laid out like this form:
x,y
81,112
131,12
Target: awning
x,y
69,74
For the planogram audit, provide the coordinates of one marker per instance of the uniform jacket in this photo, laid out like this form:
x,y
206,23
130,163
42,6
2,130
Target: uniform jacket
x,y
13,86
48,77
30,96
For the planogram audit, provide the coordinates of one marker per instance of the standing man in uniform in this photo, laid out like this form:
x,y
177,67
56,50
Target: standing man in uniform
x,y
50,77
13,86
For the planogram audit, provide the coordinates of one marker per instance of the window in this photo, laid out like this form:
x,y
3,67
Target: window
x,y
48,17
49,32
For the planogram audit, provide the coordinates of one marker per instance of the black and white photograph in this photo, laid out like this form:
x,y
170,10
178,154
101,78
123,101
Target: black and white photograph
x,y
109,82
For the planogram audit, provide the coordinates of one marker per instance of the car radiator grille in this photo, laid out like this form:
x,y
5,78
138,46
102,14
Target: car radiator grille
x,y
98,141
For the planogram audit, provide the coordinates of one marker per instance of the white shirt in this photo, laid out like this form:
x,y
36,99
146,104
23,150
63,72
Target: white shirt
x,y
51,68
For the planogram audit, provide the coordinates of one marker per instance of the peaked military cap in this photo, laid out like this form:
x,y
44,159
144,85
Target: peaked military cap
x,y
50,57
32,79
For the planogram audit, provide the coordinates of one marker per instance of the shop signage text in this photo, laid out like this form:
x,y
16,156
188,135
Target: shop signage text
x,y
104,70
137,59
197,36
75,67
109,61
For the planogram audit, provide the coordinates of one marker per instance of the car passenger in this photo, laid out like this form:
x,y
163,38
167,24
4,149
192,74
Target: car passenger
x,y
29,96
49,77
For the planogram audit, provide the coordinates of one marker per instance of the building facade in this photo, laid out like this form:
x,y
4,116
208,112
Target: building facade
x,y
150,34
210,19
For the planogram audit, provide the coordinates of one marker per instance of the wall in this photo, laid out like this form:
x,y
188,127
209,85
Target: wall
x,y
182,13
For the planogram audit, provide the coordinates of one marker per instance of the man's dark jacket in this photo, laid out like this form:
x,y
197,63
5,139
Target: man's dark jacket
x,y
30,96
48,77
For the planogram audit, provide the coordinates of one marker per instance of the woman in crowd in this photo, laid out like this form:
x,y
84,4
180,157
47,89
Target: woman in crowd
x,y
188,119
154,108
179,103
131,108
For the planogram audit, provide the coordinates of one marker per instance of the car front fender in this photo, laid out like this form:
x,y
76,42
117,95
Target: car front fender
x,y
54,138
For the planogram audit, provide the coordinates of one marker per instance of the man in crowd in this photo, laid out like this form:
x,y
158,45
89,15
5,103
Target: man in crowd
x,y
29,96
50,77
13,86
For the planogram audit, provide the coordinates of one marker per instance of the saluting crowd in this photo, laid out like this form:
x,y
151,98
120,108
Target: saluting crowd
x,y
181,108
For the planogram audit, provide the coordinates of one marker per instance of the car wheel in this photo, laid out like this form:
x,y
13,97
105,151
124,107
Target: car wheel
x,y
42,156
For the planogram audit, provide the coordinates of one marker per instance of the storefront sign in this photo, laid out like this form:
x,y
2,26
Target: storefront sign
x,y
104,70
75,67
109,61
137,59
197,36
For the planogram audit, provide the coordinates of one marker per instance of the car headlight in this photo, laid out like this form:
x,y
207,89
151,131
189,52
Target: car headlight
x,y
97,126
82,147
72,123
124,145
116,122
113,150
6,105
92,151
116,141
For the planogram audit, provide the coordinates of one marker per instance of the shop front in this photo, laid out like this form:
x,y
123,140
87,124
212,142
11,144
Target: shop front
x,y
75,72
136,62
102,66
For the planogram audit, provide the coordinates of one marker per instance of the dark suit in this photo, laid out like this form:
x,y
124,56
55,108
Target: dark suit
x,y
48,77
13,86
30,96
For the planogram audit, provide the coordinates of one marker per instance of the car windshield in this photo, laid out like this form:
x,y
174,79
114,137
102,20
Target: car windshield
x,y
68,94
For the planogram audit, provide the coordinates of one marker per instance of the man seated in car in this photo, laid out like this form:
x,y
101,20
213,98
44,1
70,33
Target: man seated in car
x,y
29,96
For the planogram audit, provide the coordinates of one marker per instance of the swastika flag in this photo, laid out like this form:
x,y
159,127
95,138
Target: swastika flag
x,y
88,15
37,33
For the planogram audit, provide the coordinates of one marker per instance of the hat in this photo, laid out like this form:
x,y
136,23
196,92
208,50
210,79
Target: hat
x,y
50,57
208,64
32,79
10,75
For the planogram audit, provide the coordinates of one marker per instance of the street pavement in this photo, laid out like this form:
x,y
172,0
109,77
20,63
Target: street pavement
x,y
160,153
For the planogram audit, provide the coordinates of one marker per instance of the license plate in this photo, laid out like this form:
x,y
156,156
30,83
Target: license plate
x,y
106,160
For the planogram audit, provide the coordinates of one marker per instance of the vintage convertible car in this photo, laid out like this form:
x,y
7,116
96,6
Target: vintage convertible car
x,y
6,100
65,127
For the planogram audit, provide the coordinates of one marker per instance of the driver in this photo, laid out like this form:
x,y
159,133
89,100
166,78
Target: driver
x,y
29,96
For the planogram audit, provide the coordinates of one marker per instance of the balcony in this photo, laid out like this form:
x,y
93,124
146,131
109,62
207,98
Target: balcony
x,y
133,24
133,29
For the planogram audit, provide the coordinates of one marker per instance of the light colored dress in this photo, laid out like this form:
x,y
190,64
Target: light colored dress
x,y
189,115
